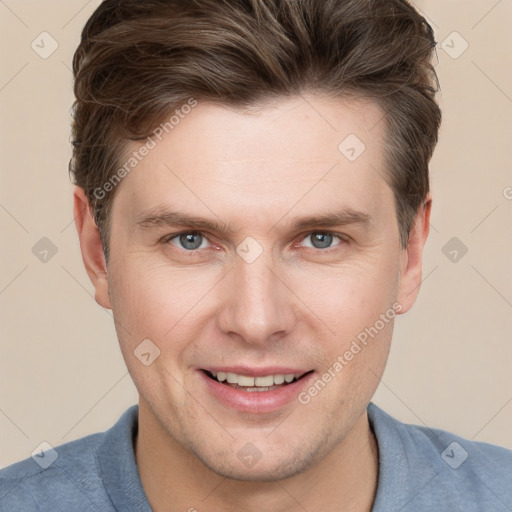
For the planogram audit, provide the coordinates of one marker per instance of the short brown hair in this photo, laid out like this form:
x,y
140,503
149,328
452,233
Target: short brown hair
x,y
138,60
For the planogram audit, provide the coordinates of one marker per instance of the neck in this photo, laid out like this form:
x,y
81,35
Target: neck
x,y
346,479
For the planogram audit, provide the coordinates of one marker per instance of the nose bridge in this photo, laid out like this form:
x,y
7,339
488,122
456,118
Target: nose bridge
x,y
256,305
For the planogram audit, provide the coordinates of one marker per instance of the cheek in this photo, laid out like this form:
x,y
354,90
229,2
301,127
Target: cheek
x,y
352,327
154,293
159,303
352,371
347,300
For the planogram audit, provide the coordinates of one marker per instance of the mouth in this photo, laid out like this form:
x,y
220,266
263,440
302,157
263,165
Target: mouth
x,y
251,384
257,391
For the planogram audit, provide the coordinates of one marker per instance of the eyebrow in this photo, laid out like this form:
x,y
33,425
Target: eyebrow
x,y
330,220
159,217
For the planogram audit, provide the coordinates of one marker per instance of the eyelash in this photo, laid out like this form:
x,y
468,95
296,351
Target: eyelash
x,y
343,239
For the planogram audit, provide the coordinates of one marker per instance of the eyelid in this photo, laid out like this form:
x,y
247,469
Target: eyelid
x,y
326,232
168,238
341,236
165,240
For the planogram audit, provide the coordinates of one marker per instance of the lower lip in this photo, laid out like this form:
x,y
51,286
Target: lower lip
x,y
255,401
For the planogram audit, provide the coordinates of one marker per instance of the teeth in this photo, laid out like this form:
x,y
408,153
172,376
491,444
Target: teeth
x,y
242,380
255,382
263,382
232,378
278,379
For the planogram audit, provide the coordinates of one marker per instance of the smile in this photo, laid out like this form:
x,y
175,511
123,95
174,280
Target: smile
x,y
250,384
242,390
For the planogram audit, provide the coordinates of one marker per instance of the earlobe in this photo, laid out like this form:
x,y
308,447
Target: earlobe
x,y
91,247
412,262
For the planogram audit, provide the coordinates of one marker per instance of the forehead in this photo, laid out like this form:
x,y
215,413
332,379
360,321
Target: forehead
x,y
302,150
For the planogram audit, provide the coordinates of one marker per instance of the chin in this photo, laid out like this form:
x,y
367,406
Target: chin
x,y
249,464
260,472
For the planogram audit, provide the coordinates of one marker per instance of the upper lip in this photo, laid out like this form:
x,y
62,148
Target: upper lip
x,y
257,372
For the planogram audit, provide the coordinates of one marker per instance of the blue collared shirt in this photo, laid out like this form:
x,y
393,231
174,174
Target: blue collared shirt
x,y
420,470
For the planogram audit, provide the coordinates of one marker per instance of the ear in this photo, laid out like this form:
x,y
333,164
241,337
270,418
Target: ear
x,y
412,258
91,247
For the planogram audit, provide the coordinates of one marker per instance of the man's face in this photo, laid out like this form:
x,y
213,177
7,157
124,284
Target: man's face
x,y
263,289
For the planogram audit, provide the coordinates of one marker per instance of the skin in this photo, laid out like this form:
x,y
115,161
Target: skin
x,y
296,305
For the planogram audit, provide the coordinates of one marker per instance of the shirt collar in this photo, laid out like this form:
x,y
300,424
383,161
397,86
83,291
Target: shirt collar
x,y
404,470
117,465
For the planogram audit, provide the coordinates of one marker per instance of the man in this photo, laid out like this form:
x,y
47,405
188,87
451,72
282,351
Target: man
x,y
252,202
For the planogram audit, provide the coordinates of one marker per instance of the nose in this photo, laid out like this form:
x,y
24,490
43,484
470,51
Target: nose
x,y
257,306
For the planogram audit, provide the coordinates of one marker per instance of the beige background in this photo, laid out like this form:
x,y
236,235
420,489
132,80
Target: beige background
x,y
61,372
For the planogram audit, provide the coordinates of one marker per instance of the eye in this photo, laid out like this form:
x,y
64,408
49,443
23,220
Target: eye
x,y
191,241
321,240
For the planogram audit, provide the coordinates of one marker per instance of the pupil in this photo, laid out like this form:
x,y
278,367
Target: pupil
x,y
188,242
322,240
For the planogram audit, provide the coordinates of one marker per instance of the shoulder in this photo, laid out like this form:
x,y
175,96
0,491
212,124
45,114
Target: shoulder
x,y
441,468
67,477
68,472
